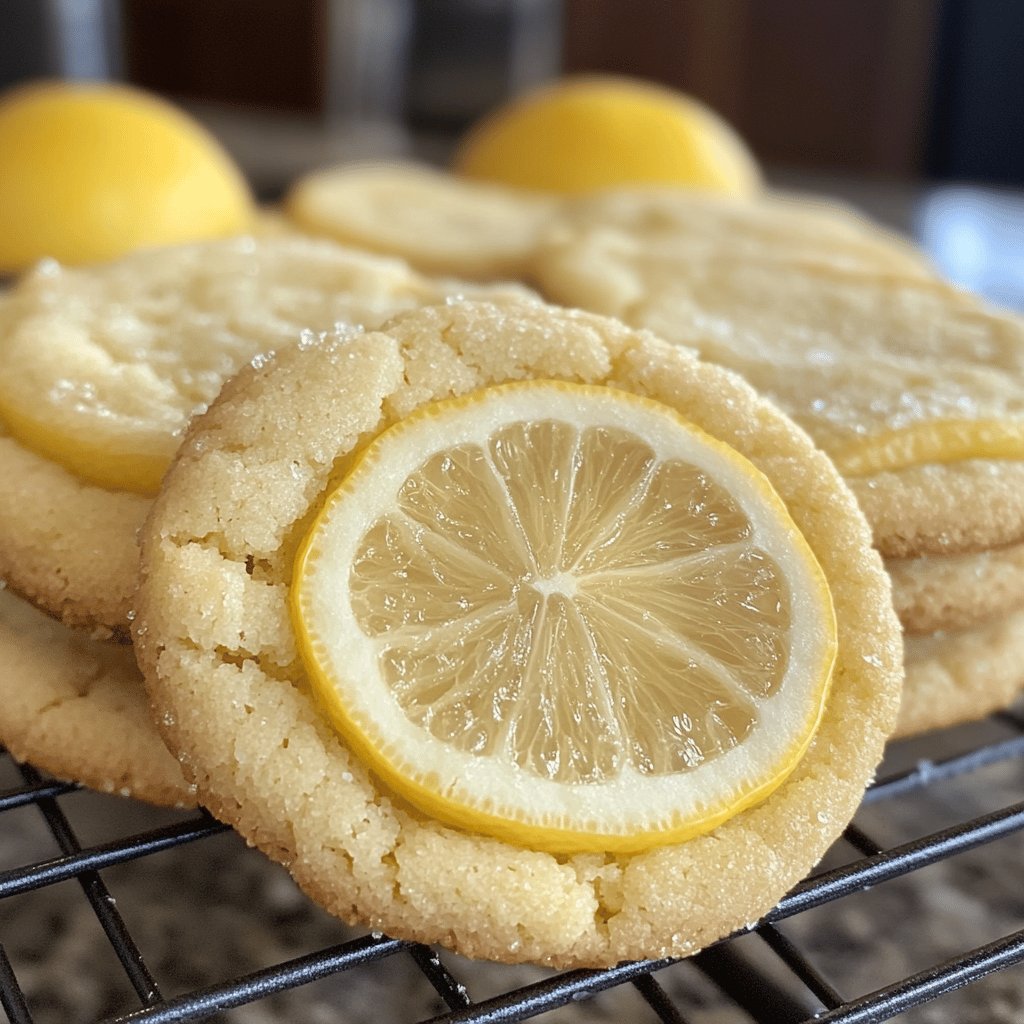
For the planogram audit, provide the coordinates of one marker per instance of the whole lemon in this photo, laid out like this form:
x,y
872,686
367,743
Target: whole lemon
x,y
89,171
587,133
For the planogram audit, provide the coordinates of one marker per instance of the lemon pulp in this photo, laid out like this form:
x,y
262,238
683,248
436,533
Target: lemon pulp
x,y
564,616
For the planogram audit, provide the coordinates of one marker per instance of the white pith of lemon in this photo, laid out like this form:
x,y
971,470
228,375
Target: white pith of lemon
x,y
564,616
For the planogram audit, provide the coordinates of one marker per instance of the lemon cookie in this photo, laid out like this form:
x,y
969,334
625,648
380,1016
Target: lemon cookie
x,y
76,708
774,226
887,374
435,221
67,545
104,366
962,676
944,507
954,592
234,652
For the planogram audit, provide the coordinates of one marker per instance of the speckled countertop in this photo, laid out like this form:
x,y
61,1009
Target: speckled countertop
x,y
212,910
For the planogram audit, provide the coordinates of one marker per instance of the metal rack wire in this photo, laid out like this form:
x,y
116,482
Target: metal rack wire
x,y
763,974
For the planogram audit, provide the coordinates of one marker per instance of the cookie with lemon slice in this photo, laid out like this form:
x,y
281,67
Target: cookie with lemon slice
x,y
514,629
912,386
103,366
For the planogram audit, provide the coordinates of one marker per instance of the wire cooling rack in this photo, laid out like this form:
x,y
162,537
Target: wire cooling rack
x,y
814,957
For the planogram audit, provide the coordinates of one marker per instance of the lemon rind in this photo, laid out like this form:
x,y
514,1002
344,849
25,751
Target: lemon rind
x,y
91,461
936,441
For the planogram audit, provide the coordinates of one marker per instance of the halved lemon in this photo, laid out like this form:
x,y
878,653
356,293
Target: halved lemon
x,y
590,132
92,170
565,616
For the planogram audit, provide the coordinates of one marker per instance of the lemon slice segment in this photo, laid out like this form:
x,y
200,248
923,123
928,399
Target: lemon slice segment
x,y
564,616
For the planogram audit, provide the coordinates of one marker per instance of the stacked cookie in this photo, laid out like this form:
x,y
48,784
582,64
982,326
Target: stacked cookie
x,y
959,592
77,707
910,385
452,594
107,364
264,373
102,369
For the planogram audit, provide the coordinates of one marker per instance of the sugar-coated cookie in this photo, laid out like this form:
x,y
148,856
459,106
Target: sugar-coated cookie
x,y
105,365
439,223
216,644
790,227
67,545
955,677
956,592
944,508
76,708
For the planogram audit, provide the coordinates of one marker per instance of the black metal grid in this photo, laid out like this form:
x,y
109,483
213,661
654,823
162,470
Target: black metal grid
x,y
803,994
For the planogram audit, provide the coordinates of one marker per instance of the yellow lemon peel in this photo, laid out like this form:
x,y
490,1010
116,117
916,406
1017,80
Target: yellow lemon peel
x,y
90,459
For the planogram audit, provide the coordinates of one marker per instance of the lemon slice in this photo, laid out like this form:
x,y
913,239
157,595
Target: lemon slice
x,y
564,616
105,365
937,441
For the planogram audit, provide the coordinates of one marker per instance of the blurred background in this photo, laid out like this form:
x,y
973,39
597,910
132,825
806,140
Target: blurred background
x,y
912,109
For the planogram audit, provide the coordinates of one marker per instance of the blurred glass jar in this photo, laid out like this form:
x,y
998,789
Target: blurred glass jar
x,y
437,65
59,38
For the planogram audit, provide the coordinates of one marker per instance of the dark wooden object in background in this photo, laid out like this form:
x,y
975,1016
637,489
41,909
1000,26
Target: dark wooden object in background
x,y
829,84
264,53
